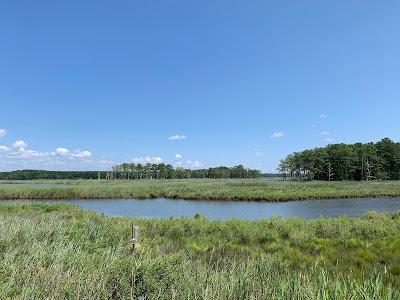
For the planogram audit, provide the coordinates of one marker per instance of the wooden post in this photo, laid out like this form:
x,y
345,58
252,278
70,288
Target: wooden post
x,y
135,236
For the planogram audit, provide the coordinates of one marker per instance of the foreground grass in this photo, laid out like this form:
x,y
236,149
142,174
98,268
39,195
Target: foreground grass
x,y
58,251
213,189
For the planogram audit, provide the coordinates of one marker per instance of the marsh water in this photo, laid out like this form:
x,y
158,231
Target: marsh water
x,y
220,210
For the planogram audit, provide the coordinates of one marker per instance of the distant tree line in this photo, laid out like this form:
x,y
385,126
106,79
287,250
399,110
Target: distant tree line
x,y
43,174
135,171
358,161
167,171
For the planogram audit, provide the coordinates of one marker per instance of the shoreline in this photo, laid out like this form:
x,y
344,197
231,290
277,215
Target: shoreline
x,y
250,190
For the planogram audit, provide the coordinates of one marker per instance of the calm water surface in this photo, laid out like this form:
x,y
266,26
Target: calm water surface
x,y
219,210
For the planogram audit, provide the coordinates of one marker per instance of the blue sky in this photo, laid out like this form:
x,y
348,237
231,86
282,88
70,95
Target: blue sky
x,y
237,82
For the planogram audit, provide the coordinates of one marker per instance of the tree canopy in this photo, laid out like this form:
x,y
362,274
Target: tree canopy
x,y
358,161
135,171
43,174
167,171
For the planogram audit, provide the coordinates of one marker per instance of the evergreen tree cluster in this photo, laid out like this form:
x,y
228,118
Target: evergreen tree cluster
x,y
167,171
358,161
43,174
135,171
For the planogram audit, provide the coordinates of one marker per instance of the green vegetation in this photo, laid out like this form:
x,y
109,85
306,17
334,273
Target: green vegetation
x,y
43,174
166,171
135,171
379,160
213,189
58,251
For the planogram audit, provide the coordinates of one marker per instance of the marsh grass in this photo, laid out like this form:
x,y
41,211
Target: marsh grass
x,y
207,189
59,251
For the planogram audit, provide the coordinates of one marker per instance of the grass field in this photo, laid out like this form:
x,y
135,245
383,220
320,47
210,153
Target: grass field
x,y
59,251
221,189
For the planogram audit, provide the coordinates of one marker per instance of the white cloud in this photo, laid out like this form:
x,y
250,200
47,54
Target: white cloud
x,y
329,140
81,154
325,132
277,135
4,149
62,151
177,137
20,144
148,159
178,156
323,116
194,163
19,156
3,132
259,154
22,153
32,153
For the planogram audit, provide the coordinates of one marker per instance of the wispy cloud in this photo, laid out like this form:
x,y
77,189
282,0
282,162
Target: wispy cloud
x,y
194,163
81,154
277,135
323,116
329,140
22,153
259,154
147,159
177,137
178,156
325,132
3,132
4,149
105,161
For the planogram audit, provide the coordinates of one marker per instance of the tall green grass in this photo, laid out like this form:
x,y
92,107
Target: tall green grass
x,y
213,189
58,252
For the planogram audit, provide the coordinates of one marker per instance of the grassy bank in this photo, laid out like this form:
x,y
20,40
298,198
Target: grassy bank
x,y
60,252
246,189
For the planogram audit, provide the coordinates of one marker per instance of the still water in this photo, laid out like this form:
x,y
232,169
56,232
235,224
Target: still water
x,y
220,210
